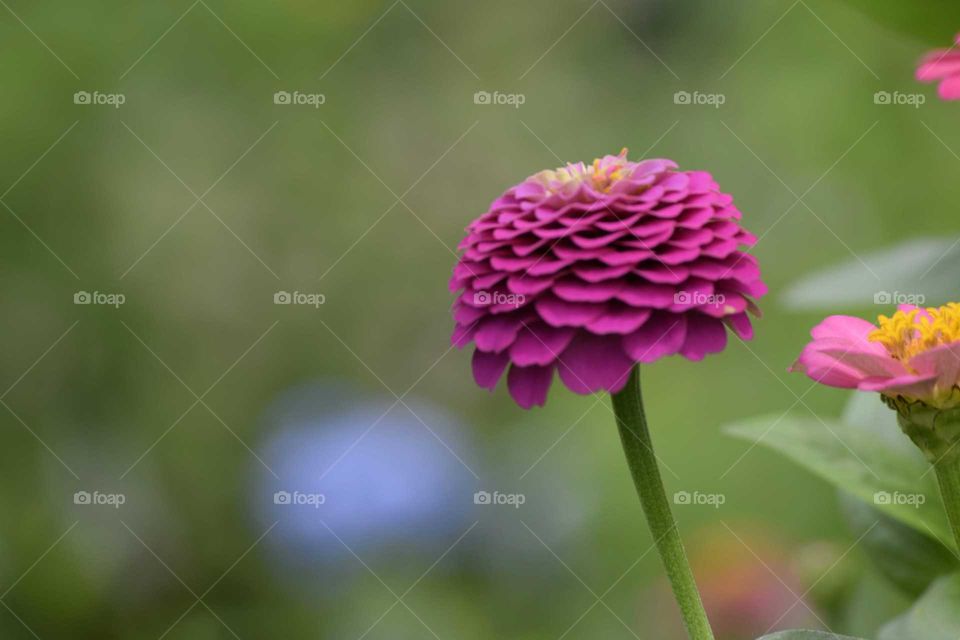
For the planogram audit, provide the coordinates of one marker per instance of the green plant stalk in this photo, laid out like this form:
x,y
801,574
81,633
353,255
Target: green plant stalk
x,y
638,447
948,477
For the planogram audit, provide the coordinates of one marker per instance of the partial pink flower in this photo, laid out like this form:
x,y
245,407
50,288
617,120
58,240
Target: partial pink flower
x,y
943,65
588,269
748,582
914,354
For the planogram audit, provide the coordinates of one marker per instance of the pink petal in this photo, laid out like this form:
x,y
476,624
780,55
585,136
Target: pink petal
x,y
496,333
938,64
463,334
740,324
704,335
619,319
848,328
488,367
870,364
592,363
539,344
827,369
647,295
574,290
907,385
529,385
942,361
949,89
560,313
841,356
662,335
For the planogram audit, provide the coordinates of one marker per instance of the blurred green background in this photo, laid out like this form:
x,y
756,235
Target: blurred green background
x,y
200,198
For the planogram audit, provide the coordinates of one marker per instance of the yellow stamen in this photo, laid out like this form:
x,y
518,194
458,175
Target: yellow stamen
x,y
908,333
601,176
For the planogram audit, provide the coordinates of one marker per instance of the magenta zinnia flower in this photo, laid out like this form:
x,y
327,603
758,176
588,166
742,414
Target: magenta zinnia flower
x,y
588,269
913,360
943,65
913,355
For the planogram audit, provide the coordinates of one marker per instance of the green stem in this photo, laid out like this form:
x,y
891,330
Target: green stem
x,y
948,476
628,408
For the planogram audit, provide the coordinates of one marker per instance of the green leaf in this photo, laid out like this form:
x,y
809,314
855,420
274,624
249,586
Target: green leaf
x,y
924,266
806,635
906,557
869,413
935,616
909,558
857,461
932,21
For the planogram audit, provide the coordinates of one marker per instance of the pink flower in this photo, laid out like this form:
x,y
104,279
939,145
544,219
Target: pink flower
x,y
913,355
943,65
587,269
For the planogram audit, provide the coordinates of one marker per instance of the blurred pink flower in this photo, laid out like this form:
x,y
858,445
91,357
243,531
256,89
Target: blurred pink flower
x,y
748,583
914,354
588,269
943,65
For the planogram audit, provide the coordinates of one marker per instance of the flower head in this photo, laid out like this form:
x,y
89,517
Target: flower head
x,y
587,269
943,65
913,355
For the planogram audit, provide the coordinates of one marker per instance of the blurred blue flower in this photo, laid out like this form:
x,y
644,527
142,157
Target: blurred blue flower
x,y
353,471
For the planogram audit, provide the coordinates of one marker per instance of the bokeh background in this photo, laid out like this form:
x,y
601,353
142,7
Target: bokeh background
x,y
196,400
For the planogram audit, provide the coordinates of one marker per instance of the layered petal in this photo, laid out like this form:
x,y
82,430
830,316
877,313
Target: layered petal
x,y
842,355
588,269
914,354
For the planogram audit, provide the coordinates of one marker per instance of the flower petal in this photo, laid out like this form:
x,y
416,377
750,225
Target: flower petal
x,y
662,335
909,385
529,385
488,367
942,361
593,363
539,344
704,335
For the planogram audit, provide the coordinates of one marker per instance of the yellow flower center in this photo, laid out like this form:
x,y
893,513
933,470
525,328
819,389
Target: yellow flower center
x,y
908,333
602,173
